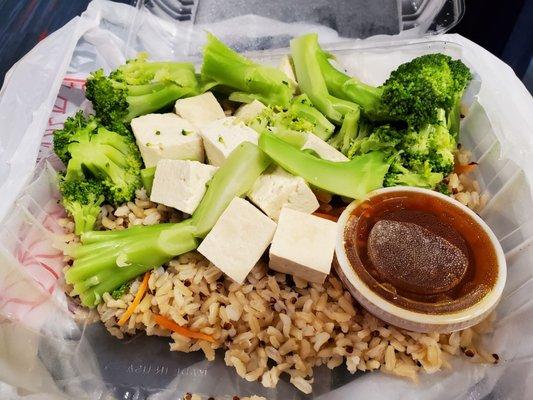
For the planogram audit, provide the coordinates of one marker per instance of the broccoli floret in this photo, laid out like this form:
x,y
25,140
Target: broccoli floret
x,y
420,175
443,188
414,92
435,144
91,151
417,158
139,87
302,109
246,79
300,117
121,291
82,200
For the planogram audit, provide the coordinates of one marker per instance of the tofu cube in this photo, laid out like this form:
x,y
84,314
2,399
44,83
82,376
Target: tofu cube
x,y
166,136
277,189
324,150
199,110
303,245
249,111
238,239
221,137
181,184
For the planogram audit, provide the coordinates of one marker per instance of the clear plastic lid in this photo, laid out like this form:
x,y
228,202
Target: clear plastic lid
x,y
349,18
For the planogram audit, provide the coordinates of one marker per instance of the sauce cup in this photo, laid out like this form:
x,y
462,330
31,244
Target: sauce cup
x,y
402,317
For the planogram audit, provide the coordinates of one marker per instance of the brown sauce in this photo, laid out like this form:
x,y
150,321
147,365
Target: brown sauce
x,y
420,252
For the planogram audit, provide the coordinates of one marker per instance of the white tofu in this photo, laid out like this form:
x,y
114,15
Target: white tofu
x,y
238,239
323,149
285,65
249,111
166,136
221,137
181,184
303,245
199,110
277,189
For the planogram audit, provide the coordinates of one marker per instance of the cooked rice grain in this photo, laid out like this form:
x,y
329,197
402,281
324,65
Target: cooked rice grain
x,y
295,324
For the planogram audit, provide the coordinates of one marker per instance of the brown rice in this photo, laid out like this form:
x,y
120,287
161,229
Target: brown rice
x,y
272,316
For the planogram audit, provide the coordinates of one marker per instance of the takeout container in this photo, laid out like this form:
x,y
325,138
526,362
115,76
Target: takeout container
x,y
409,319
44,351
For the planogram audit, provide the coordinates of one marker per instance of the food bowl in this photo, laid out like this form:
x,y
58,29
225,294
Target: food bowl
x,y
369,293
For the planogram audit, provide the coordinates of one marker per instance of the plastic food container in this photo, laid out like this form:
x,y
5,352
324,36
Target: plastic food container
x,y
46,352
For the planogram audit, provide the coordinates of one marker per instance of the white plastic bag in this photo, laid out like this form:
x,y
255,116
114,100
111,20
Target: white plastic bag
x,y
45,354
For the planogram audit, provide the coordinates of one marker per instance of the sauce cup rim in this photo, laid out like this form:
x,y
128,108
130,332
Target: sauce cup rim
x,y
414,319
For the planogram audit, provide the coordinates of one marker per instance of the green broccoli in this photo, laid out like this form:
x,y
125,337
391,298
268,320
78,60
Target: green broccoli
x,y
347,133
147,177
82,200
246,79
91,151
414,92
417,158
299,119
305,51
121,290
139,87
107,259
352,179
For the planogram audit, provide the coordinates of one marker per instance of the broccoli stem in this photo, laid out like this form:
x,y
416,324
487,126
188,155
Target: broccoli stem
x,y
349,88
150,102
91,237
348,132
353,179
234,178
84,215
94,275
305,50
250,80
147,178
322,127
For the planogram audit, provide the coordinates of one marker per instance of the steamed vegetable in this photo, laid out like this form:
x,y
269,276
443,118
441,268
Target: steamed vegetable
x,y
246,79
414,92
147,177
401,133
304,51
353,179
82,200
294,123
99,164
139,87
343,140
234,178
106,260
417,158
420,101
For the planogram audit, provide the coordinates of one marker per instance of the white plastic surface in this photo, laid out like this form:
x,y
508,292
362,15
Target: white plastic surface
x,y
44,354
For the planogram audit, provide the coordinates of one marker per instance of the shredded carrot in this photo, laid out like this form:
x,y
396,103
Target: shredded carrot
x,y
464,169
172,326
333,218
138,297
